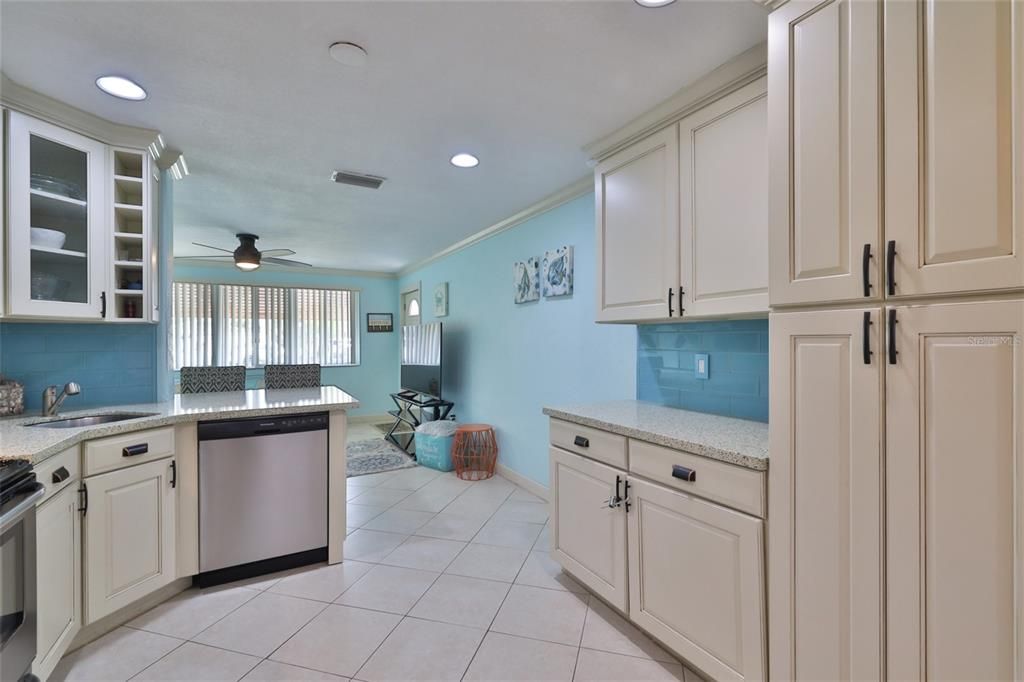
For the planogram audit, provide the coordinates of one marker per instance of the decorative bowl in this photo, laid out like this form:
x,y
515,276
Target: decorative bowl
x,y
51,239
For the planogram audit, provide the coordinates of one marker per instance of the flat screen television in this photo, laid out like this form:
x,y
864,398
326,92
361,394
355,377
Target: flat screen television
x,y
421,358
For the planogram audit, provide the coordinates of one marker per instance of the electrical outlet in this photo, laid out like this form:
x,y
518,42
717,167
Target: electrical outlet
x,y
700,366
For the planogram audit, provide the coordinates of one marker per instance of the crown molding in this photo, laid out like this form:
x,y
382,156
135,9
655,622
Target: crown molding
x,y
734,74
20,98
328,272
562,196
770,5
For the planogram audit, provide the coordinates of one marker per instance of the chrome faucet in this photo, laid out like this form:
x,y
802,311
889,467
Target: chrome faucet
x,y
52,401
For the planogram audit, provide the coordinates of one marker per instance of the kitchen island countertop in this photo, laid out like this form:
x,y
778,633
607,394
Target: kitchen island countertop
x,y
19,440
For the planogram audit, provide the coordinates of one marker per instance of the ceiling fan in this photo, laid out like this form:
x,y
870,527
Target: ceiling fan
x,y
248,257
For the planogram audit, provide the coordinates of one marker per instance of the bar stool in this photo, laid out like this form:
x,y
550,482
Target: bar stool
x,y
475,452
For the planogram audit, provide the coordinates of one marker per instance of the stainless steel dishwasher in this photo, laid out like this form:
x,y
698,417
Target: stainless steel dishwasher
x,y
262,496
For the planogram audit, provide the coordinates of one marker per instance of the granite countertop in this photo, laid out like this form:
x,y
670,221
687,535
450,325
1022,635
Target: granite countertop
x,y
737,441
18,441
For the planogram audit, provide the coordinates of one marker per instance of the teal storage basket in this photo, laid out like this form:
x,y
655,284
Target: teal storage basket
x,y
435,451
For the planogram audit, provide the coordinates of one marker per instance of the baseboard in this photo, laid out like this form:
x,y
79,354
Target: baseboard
x,y
528,484
94,631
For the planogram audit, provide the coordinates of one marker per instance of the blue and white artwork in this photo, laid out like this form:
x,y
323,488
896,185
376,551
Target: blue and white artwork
x,y
557,275
526,278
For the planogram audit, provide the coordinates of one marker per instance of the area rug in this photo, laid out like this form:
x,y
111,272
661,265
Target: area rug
x,y
374,456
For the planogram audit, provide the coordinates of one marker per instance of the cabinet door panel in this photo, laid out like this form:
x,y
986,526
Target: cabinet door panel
x,y
129,536
825,496
696,580
824,154
59,571
955,493
723,205
637,194
954,117
588,537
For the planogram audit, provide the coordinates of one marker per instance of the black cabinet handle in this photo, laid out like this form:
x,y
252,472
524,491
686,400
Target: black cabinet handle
x,y
892,336
681,302
133,450
867,337
670,292
865,267
83,499
103,304
581,442
61,475
625,495
890,265
174,474
684,473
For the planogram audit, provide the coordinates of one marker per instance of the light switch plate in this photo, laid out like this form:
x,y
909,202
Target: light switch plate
x,y
700,366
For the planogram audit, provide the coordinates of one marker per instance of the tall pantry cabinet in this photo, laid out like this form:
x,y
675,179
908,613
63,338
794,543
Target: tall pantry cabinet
x,y
896,485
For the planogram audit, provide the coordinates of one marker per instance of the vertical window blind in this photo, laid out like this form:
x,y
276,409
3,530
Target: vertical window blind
x,y
228,324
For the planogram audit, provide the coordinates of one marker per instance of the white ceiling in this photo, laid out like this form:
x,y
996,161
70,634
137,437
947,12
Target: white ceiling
x,y
263,115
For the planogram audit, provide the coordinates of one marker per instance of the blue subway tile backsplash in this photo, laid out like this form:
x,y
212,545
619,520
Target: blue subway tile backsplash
x,y
114,363
738,367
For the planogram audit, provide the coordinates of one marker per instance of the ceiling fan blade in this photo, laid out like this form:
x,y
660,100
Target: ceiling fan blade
x,y
215,248
286,261
198,257
277,252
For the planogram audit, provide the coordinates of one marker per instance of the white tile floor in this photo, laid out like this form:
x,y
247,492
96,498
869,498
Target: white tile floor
x,y
443,580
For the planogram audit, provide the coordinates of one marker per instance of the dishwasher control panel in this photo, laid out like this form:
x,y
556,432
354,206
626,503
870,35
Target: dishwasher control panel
x,y
265,426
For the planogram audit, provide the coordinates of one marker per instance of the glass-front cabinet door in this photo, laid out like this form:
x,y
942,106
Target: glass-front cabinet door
x,y
56,260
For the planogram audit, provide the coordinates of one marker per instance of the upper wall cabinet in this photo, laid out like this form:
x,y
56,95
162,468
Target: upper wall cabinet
x,y
723,205
79,240
823,113
56,260
954,145
637,194
682,216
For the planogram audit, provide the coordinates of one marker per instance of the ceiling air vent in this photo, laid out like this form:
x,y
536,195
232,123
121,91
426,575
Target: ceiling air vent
x,y
357,179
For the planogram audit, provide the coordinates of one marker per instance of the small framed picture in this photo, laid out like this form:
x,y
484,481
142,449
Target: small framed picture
x,y
380,322
441,300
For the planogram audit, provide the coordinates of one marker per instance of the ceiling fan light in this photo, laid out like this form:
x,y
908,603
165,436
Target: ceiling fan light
x,y
245,265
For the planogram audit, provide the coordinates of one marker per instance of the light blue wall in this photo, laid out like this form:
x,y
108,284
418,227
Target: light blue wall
x,y
377,373
504,362
114,363
737,384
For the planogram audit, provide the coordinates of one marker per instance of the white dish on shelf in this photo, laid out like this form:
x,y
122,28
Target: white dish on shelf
x,y
51,239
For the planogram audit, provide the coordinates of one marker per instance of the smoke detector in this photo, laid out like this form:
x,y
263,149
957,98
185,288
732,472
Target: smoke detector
x,y
357,179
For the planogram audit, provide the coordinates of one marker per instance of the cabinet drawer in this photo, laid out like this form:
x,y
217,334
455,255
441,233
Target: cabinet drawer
x,y
59,471
107,454
731,485
609,448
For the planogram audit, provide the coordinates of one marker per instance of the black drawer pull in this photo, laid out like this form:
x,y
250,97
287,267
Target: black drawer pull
x,y
684,473
133,450
890,267
867,337
670,301
865,265
581,442
892,336
61,475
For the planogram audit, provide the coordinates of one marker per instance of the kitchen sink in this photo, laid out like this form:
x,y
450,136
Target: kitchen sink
x,y
91,420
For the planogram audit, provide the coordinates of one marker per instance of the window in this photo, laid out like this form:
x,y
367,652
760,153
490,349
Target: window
x,y
411,306
228,324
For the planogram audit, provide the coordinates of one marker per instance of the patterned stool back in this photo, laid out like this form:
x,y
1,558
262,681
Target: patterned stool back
x,y
212,379
291,376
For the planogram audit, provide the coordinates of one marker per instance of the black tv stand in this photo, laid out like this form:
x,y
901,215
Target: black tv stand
x,y
405,401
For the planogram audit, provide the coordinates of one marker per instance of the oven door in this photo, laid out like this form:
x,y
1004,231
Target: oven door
x,y
18,582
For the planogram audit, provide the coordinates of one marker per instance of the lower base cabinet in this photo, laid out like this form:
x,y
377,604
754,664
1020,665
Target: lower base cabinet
x,y
588,536
129,535
688,571
59,577
696,580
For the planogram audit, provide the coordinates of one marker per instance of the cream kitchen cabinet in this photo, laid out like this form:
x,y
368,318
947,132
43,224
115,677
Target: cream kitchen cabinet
x,y
826,480
824,108
129,535
954,145
637,195
589,536
58,561
723,205
955,492
696,580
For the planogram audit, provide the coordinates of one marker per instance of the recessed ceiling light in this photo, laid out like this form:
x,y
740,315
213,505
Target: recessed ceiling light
x,y
118,86
464,160
654,3
348,54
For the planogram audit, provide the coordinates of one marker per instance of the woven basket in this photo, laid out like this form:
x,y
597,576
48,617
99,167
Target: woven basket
x,y
12,397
